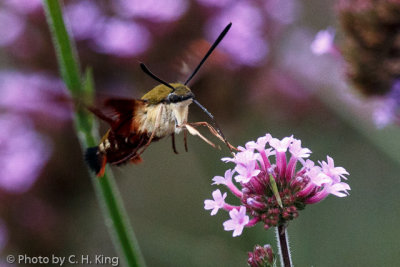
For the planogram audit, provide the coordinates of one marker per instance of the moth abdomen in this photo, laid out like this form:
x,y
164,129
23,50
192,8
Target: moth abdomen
x,y
94,159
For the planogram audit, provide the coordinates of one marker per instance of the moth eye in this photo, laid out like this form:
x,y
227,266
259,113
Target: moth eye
x,y
173,98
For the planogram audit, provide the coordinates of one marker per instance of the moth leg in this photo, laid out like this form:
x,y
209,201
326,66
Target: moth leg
x,y
193,131
214,132
173,143
185,140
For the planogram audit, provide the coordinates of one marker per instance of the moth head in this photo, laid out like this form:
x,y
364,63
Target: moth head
x,y
179,94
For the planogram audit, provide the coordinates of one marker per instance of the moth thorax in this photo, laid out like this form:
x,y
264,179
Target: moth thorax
x,y
180,112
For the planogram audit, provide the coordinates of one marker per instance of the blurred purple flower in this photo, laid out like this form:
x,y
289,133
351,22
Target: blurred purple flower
x,y
83,17
298,54
24,6
245,41
384,114
215,3
3,235
153,10
11,27
285,12
23,153
323,42
389,110
121,38
34,93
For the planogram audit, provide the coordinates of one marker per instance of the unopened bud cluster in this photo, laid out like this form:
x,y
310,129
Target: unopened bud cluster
x,y
261,257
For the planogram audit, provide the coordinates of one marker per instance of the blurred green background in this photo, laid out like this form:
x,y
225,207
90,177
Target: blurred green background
x,y
277,86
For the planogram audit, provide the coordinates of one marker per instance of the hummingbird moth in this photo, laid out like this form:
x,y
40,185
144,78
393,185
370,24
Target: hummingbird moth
x,y
136,123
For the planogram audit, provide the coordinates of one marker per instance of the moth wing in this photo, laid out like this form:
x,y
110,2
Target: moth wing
x,y
140,141
119,113
130,151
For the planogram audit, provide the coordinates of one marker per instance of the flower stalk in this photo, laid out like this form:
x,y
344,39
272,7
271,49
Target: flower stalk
x,y
283,246
106,190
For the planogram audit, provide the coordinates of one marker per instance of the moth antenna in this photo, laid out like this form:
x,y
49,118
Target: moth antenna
x,y
148,72
214,122
217,41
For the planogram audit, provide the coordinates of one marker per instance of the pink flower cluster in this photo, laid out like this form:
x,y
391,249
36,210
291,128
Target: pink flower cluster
x,y
273,189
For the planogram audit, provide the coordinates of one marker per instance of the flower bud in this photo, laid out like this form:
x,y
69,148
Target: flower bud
x,y
261,256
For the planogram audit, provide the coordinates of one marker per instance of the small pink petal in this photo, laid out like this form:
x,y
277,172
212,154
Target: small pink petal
x,y
297,151
238,221
217,203
227,179
336,189
281,145
317,177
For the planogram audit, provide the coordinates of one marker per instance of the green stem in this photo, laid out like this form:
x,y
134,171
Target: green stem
x,y
106,190
283,246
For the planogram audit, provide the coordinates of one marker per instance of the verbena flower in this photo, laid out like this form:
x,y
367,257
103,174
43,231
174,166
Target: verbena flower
x,y
23,6
23,153
11,27
46,93
389,110
283,165
238,221
156,11
285,12
213,3
215,204
121,38
249,25
84,18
